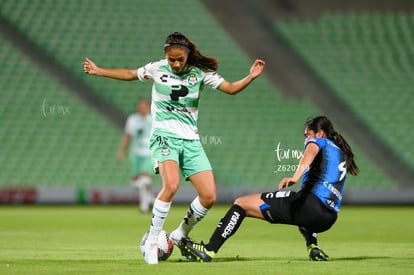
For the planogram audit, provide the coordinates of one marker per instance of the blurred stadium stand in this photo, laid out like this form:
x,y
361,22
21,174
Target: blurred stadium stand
x,y
368,61
62,129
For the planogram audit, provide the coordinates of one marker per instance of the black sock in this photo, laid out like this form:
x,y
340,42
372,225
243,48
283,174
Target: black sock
x,y
227,226
310,238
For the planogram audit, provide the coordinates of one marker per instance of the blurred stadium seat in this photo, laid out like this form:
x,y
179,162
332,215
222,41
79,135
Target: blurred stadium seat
x,y
368,60
49,137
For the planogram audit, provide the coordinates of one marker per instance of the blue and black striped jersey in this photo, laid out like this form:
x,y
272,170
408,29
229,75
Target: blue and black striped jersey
x,y
326,176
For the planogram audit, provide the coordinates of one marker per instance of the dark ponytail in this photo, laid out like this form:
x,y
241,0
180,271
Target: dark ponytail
x,y
323,123
195,58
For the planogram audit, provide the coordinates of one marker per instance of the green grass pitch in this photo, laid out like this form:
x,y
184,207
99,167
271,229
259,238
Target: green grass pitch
x,y
104,240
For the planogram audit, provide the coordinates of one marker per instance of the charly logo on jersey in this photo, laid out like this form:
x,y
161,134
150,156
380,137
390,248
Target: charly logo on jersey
x,y
164,78
192,79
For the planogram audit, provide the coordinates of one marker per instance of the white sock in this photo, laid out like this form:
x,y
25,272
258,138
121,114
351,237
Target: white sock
x,y
159,214
144,193
196,212
142,181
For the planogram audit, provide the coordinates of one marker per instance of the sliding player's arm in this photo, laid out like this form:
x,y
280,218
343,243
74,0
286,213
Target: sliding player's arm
x,y
309,155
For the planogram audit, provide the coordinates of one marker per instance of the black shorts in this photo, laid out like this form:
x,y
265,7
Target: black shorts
x,y
297,208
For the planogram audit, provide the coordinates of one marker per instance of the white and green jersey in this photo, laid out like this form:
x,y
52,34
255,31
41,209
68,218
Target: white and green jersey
x,y
175,98
139,127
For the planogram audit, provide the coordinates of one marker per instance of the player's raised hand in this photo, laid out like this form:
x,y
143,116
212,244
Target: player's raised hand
x,y
257,68
89,66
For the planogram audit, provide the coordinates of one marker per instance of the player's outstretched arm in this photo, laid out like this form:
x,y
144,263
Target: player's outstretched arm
x,y
309,155
233,88
90,67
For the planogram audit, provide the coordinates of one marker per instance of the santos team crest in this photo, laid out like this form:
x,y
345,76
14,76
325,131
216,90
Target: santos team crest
x,y
192,79
165,151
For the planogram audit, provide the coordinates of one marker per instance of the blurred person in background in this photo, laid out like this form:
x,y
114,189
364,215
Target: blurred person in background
x,y
136,138
178,81
326,161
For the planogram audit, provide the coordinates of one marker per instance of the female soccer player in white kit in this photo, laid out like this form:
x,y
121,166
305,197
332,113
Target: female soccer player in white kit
x,y
136,138
175,143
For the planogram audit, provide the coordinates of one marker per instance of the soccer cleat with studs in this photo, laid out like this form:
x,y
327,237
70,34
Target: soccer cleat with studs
x,y
198,250
317,254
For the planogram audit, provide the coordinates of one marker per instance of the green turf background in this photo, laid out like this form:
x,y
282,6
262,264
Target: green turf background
x,y
104,240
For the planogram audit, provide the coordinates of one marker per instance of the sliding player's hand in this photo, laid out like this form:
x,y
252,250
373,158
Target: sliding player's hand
x,y
286,182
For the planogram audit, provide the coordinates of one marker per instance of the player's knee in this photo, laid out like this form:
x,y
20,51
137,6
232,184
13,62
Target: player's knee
x,y
240,202
171,187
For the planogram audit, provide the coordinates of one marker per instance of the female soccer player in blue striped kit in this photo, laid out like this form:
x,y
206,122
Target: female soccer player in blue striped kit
x,y
326,161
175,145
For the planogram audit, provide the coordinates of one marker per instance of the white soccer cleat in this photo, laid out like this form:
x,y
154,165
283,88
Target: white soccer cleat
x,y
151,252
175,237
